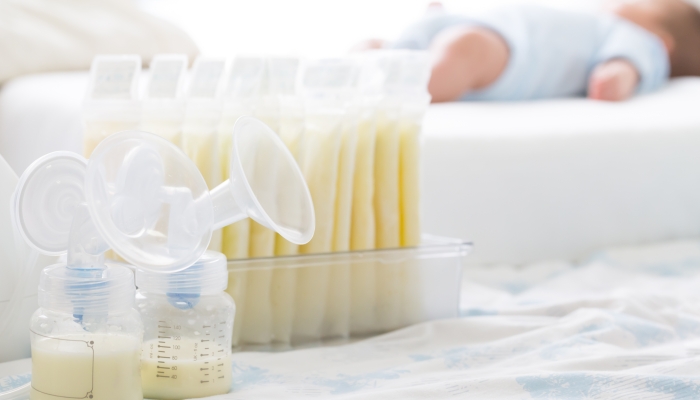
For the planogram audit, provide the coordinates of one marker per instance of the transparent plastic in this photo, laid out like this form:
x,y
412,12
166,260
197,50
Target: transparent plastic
x,y
188,320
428,287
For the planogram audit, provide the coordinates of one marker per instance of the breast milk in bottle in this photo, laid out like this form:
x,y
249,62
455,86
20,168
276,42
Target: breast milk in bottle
x,y
86,335
188,320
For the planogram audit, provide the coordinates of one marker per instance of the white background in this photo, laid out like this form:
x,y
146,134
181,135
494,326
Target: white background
x,y
305,27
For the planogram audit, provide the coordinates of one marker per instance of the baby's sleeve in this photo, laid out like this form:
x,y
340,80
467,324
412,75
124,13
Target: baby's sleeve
x,y
625,40
420,34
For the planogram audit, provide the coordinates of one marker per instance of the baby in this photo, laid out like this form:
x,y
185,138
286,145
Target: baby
x,y
531,52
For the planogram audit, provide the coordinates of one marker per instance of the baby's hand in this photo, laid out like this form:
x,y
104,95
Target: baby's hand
x,y
615,80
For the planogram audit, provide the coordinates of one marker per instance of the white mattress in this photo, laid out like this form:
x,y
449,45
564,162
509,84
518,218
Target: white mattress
x,y
560,178
524,181
623,325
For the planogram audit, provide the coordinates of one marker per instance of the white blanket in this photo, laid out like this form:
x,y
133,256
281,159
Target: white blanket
x,y
624,324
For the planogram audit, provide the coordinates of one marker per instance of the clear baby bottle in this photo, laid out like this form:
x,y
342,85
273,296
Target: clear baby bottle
x,y
188,321
86,335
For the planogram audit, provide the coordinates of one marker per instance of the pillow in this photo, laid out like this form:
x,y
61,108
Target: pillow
x,y
58,35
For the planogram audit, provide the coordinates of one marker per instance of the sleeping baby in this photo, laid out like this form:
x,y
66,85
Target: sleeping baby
x,y
530,52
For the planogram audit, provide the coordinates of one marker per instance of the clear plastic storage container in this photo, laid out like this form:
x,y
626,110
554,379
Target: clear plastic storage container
x,y
429,288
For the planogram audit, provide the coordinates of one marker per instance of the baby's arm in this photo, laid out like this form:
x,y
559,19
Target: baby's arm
x,y
613,80
631,60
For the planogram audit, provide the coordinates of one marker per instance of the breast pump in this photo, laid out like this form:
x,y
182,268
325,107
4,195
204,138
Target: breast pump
x,y
141,196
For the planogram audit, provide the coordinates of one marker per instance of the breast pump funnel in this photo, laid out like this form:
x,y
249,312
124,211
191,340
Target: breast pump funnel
x,y
265,184
152,206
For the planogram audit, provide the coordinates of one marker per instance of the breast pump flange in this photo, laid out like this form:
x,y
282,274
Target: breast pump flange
x,y
153,208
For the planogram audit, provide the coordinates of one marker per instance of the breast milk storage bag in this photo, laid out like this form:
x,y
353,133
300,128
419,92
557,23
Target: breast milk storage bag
x,y
111,102
202,115
163,105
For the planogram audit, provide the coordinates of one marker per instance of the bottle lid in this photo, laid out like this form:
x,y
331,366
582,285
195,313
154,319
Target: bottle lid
x,y
86,291
206,276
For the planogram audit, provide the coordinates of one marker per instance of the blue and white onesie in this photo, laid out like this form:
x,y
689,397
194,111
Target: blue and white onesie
x,y
552,52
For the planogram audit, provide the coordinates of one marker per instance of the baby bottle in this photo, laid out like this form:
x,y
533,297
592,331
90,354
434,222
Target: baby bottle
x,y
188,321
86,335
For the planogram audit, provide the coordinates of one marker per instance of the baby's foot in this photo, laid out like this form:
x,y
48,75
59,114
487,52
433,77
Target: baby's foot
x,y
614,80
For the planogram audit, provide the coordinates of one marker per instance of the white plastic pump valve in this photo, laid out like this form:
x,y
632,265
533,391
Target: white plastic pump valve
x,y
151,203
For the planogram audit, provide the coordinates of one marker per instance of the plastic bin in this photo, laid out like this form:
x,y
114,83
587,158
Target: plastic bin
x,y
374,291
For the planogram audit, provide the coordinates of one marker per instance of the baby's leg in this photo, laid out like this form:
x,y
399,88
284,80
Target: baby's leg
x,y
465,59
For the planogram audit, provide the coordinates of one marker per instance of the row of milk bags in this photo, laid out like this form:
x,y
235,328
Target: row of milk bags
x,y
352,123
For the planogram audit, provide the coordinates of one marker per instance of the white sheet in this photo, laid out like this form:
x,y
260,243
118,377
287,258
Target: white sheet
x,y
624,324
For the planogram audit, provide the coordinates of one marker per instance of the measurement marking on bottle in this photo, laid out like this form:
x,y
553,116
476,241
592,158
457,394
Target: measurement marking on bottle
x,y
164,337
162,376
206,326
205,340
164,327
162,357
162,367
204,382
221,377
204,369
161,341
161,351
